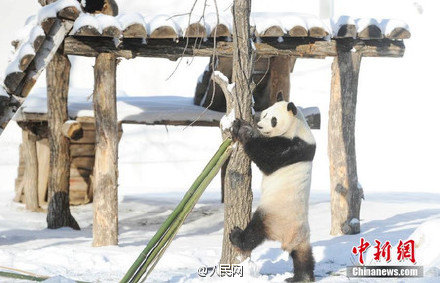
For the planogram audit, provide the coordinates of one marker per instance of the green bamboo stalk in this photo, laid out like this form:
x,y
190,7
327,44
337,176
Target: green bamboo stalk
x,y
171,218
158,250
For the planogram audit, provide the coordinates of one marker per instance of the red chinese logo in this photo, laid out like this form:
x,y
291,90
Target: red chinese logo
x,y
405,250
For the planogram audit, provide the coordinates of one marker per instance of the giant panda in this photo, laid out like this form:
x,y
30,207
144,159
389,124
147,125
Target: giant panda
x,y
283,147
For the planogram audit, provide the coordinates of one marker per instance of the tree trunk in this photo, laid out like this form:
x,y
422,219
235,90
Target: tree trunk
x,y
58,214
238,192
105,198
345,194
31,170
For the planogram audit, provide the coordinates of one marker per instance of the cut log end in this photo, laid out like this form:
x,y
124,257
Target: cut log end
x,y
111,31
317,32
72,130
371,32
12,80
25,61
135,31
399,33
273,31
164,32
220,30
298,31
346,31
87,31
47,24
195,30
69,13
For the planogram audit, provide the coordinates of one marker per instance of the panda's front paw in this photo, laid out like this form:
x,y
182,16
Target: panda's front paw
x,y
235,236
236,125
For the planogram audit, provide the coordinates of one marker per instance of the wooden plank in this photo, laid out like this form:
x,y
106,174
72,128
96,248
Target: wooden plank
x,y
297,47
81,150
44,55
105,199
195,30
88,137
43,154
220,30
298,31
164,32
83,162
135,30
31,170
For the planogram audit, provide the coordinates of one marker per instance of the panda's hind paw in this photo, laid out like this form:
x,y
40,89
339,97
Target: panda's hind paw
x,y
235,236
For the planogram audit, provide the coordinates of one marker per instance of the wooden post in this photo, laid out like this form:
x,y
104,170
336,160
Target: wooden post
x,y
345,194
57,74
105,198
238,192
31,170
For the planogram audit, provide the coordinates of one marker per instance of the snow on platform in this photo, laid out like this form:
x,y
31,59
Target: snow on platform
x,y
148,110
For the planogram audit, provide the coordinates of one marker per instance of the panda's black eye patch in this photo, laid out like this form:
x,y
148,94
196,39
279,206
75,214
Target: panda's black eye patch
x,y
274,122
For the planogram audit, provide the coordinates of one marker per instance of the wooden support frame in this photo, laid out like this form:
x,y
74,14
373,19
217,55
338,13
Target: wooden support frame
x,y
346,195
105,183
57,74
30,177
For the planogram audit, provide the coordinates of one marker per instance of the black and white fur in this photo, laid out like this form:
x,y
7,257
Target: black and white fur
x,y
283,147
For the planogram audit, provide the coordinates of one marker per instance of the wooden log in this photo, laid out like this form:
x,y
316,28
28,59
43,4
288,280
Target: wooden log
x,y
105,199
43,155
298,31
345,194
82,150
273,31
220,30
13,80
72,129
47,24
87,30
238,193
318,32
164,32
44,55
69,13
31,170
399,33
111,31
195,30
371,31
38,42
297,47
347,30
77,172
135,30
57,74
25,61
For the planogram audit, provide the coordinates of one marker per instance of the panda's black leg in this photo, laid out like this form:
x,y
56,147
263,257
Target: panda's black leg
x,y
252,236
303,265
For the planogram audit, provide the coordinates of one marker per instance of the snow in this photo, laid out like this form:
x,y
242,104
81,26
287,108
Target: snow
x,y
163,20
227,120
51,10
127,20
157,163
86,20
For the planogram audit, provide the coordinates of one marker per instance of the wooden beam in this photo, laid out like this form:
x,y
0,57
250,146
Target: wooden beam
x,y
31,170
167,48
345,194
57,74
44,55
72,129
105,199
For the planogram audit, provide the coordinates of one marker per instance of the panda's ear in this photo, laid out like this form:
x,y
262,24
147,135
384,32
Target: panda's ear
x,y
280,97
292,107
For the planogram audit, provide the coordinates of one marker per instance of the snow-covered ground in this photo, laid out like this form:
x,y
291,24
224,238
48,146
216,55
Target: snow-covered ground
x,y
397,154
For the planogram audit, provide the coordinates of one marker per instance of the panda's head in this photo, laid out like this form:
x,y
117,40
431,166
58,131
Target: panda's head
x,y
284,119
277,119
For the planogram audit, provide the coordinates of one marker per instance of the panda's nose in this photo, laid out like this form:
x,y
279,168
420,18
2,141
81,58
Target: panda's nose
x,y
259,127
